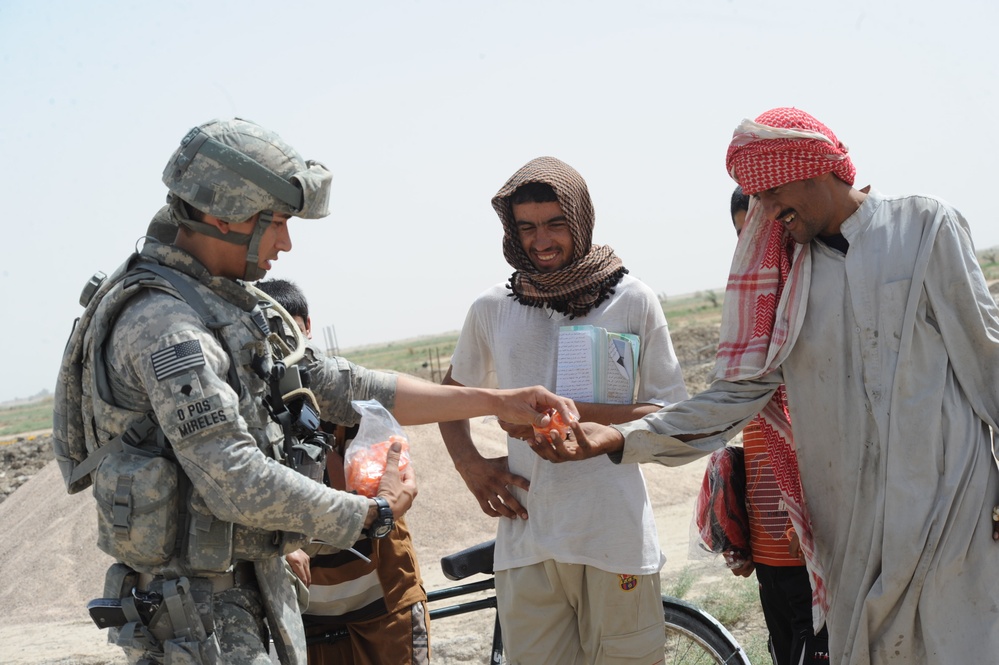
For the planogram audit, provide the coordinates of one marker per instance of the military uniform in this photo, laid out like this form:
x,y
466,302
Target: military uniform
x,y
161,356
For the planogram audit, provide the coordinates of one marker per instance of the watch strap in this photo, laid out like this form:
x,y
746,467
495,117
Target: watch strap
x,y
383,518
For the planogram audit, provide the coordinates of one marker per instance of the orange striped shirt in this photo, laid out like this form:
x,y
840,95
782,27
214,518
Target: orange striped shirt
x,y
768,520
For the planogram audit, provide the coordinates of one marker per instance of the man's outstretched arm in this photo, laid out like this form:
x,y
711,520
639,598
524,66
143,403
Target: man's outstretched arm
x,y
675,435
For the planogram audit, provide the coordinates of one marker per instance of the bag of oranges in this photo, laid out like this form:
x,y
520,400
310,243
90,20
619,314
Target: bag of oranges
x,y
364,460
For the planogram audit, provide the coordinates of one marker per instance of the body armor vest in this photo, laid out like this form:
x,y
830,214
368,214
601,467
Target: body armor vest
x,y
149,515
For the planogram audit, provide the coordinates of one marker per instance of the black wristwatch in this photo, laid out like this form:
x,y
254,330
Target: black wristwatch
x,y
384,520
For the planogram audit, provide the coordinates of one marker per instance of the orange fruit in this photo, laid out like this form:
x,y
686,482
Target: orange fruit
x,y
556,424
366,465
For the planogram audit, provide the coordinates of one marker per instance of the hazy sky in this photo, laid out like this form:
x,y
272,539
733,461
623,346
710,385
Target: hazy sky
x,y
422,110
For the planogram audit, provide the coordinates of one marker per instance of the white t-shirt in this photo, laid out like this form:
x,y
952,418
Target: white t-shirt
x,y
593,512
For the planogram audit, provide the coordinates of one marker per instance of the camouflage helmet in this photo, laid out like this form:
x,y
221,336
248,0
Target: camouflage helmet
x,y
233,169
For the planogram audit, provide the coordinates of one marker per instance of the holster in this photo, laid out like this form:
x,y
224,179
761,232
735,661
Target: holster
x,y
178,630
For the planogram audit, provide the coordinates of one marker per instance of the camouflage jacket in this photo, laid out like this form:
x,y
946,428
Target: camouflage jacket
x,y
161,356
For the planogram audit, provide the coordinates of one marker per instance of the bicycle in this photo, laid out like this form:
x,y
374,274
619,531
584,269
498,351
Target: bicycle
x,y
693,637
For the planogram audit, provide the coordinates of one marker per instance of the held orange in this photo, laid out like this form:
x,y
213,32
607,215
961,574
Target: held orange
x,y
366,466
556,424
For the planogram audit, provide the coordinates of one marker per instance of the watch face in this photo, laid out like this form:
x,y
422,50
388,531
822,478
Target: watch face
x,y
381,530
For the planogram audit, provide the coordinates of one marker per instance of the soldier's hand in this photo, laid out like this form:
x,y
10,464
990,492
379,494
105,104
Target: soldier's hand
x,y
398,488
586,440
528,406
522,432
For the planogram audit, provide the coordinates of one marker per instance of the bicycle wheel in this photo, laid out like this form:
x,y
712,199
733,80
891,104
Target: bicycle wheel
x,y
694,637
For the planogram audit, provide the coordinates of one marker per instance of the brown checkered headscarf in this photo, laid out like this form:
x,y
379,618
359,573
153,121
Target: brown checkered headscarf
x,y
594,270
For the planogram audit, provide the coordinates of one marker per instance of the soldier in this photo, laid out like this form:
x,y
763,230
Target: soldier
x,y
172,402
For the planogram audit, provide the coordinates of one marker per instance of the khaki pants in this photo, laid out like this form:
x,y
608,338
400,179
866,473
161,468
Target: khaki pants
x,y
570,614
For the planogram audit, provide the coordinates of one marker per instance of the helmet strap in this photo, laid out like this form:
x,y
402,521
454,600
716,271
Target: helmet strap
x,y
179,215
253,271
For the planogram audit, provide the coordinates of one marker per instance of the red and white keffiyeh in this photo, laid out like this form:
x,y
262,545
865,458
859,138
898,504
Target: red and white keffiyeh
x,y
784,145
768,286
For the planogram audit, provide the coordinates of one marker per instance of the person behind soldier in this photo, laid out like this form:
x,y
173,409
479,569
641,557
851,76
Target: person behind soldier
x,y
379,601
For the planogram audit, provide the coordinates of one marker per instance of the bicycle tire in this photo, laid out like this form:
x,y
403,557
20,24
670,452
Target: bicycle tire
x,y
694,637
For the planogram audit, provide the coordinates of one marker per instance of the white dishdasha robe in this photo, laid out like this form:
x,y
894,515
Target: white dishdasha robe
x,y
893,386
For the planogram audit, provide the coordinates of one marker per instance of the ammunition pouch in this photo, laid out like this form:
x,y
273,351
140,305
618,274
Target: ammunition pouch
x,y
137,494
209,547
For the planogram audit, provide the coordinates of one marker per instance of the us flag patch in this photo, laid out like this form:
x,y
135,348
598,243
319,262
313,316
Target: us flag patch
x,y
177,358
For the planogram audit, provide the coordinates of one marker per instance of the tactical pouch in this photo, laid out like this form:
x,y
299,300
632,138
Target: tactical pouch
x,y
191,644
137,507
308,459
209,540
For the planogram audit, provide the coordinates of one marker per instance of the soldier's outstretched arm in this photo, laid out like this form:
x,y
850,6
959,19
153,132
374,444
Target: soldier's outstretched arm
x,y
418,402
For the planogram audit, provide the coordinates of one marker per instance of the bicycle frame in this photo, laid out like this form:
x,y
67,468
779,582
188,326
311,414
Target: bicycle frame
x,y
496,655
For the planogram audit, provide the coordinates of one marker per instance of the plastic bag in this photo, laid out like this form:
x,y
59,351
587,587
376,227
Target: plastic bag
x,y
364,461
720,510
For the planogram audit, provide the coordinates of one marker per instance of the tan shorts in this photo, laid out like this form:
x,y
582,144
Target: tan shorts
x,y
571,614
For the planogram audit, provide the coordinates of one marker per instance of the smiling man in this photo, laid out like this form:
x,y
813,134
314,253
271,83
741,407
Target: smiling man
x,y
874,312
567,590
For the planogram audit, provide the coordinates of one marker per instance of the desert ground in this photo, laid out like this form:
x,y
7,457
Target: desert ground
x,y
50,566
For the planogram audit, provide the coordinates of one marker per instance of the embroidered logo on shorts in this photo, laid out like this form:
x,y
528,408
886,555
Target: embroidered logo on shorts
x,y
628,582
177,358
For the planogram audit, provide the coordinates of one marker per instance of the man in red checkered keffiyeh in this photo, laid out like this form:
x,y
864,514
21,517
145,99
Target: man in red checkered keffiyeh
x,y
782,146
875,312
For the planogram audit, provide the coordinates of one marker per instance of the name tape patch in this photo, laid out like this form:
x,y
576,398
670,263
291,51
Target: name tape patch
x,y
177,358
200,415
